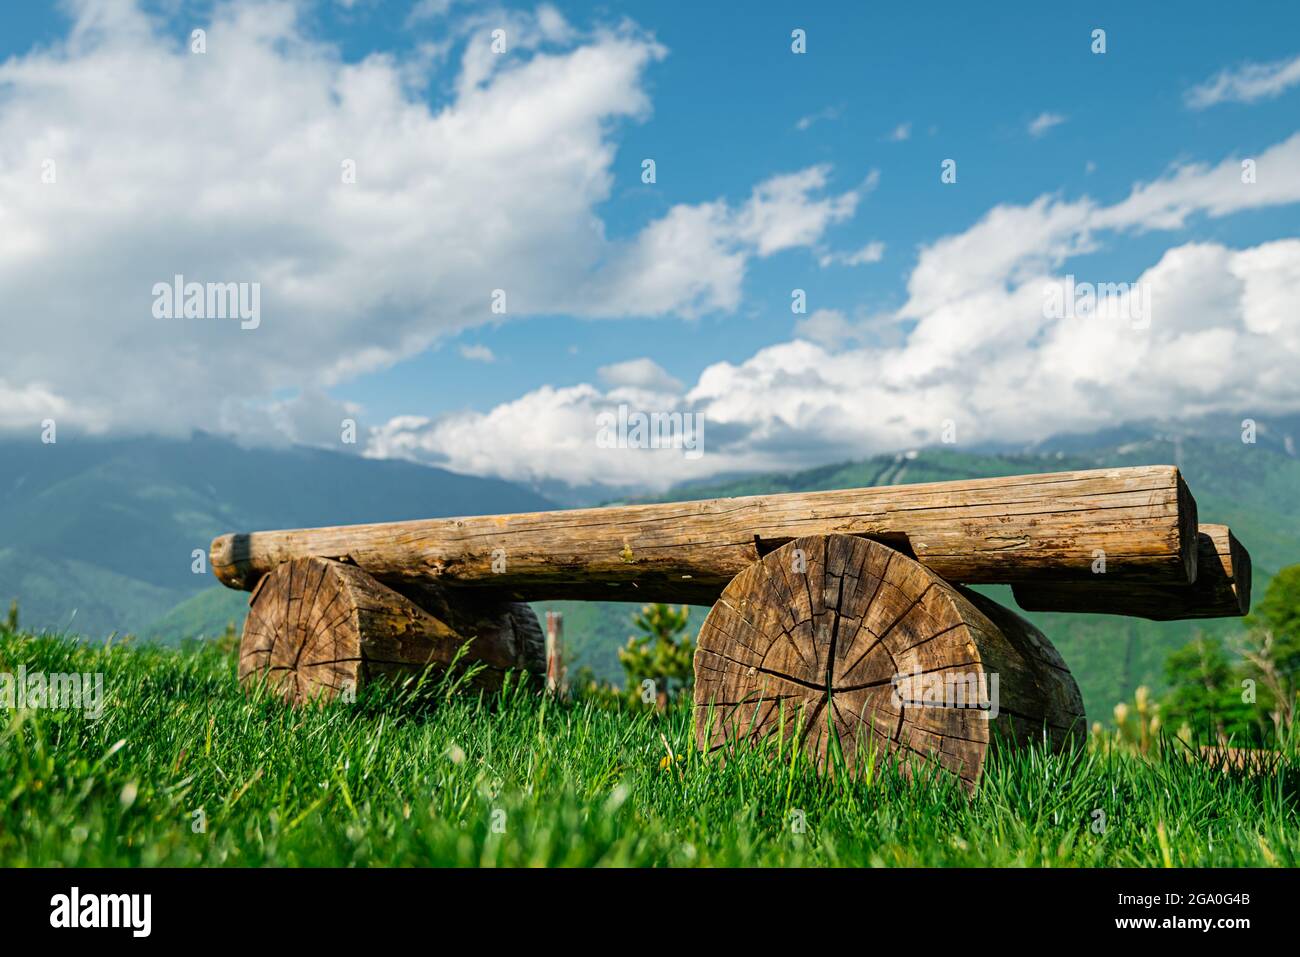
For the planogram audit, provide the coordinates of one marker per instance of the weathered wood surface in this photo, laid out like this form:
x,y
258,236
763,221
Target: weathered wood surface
x,y
845,637
317,628
1020,528
1221,589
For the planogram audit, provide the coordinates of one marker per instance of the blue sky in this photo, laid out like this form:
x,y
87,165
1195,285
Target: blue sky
x,y
967,80
721,103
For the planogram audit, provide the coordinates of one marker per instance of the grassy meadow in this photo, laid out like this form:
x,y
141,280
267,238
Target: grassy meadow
x,y
183,769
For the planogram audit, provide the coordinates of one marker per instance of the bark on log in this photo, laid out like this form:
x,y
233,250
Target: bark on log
x,y
861,643
1221,589
317,628
1022,528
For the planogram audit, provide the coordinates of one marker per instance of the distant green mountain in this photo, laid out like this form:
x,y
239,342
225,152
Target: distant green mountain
x,y
205,615
97,536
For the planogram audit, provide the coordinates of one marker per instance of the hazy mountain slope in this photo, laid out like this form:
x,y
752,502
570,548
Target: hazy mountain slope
x,y
204,615
106,529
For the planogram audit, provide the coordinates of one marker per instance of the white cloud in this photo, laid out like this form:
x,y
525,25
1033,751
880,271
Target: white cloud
x,y
423,10
227,168
310,418
899,133
25,407
1217,191
973,343
692,260
782,212
872,252
685,262
992,363
827,327
1043,122
549,433
639,374
478,353
229,165
1246,84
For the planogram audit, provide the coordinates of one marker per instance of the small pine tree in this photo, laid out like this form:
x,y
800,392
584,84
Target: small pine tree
x,y
662,654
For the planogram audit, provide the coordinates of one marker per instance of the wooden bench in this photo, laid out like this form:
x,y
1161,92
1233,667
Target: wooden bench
x,y
842,613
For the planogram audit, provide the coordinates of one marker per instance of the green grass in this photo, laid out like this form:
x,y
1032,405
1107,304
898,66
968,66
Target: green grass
x,y
381,782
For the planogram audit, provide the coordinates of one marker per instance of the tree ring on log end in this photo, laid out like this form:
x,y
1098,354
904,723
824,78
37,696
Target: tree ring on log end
x,y
846,639
318,628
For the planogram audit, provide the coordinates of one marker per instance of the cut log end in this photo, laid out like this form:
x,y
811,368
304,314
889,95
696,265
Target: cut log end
x,y
849,641
317,629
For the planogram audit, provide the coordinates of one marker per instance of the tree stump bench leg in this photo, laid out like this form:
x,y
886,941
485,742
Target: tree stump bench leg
x,y
317,628
867,645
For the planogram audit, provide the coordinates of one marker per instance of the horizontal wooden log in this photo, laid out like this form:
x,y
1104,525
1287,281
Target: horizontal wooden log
x,y
1221,589
1015,529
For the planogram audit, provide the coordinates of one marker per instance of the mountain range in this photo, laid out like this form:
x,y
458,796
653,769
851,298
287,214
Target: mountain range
x,y
99,536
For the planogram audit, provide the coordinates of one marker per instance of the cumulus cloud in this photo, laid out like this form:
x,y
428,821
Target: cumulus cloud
x,y
639,374
478,353
783,212
126,160
830,328
872,252
1246,84
549,433
310,418
692,260
31,404
373,223
993,364
975,343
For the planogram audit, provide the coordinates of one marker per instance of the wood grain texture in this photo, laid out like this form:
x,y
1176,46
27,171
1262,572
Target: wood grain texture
x,y
1022,528
557,682
838,638
1221,589
317,628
